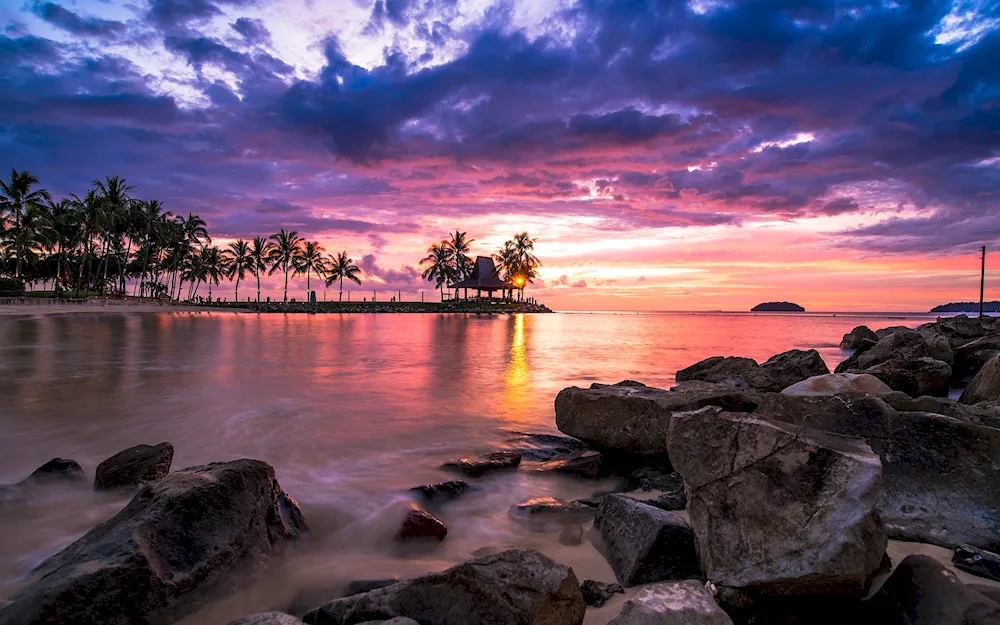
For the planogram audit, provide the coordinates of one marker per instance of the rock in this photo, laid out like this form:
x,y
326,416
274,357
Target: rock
x,y
990,592
57,469
938,346
571,535
652,478
884,332
977,561
443,491
142,464
184,540
917,377
419,523
399,620
927,592
358,586
585,464
788,368
837,383
491,463
985,385
267,618
978,414
779,507
939,473
548,514
860,337
545,447
676,500
903,345
972,356
672,603
513,587
635,419
743,373
644,544
597,593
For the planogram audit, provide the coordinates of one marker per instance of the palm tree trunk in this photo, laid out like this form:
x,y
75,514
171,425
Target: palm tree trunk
x,y
237,288
285,300
341,289
257,273
308,287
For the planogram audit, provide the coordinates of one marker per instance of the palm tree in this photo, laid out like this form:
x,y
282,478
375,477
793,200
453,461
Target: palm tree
x,y
260,252
311,259
517,260
459,246
284,254
193,237
150,220
214,267
64,221
339,267
16,196
438,263
240,262
32,235
114,194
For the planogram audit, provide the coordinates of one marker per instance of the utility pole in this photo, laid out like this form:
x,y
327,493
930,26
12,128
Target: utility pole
x,y
982,282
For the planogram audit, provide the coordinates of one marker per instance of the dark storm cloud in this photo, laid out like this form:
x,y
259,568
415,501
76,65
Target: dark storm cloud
x,y
69,21
673,116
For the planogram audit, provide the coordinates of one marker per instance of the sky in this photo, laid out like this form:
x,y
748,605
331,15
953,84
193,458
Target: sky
x,y
670,155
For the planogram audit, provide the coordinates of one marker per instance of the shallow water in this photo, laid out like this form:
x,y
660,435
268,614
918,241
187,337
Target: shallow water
x,y
351,411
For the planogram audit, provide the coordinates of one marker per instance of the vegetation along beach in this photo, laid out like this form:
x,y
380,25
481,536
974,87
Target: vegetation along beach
x,y
499,312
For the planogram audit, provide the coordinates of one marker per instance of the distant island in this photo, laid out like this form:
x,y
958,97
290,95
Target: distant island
x,y
779,307
958,307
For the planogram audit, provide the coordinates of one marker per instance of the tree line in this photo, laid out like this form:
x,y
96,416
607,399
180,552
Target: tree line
x,y
98,242
448,261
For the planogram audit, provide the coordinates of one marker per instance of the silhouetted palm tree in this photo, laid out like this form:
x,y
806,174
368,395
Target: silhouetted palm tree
x,y
16,197
459,246
260,252
310,259
214,267
517,261
284,254
240,260
438,265
339,267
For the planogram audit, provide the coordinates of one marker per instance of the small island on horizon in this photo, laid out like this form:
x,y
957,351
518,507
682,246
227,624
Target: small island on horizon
x,y
959,307
777,307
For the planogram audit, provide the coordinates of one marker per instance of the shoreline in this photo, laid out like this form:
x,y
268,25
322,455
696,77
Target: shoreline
x,y
102,307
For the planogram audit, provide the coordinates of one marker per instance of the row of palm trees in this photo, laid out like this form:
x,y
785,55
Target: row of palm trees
x,y
448,261
102,240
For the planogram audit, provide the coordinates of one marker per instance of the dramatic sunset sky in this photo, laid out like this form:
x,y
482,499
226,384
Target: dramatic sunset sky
x,y
671,155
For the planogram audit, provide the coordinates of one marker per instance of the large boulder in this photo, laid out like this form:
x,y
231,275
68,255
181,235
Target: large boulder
x,y
972,356
837,383
938,345
141,464
977,561
745,374
548,514
268,618
634,418
787,368
179,542
926,592
985,386
513,587
979,414
643,543
901,345
421,524
672,603
939,473
778,508
860,338
917,377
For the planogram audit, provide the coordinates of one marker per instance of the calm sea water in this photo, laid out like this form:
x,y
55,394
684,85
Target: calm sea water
x,y
350,410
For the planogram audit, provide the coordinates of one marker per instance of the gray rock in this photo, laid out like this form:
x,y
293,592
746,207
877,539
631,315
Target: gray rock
x,y
268,618
985,385
490,463
672,603
418,523
903,345
938,345
837,384
141,464
881,333
787,368
978,414
596,594
939,473
571,535
443,491
545,447
635,418
179,542
917,377
779,507
777,373
399,620
642,543
859,337
972,356
586,464
926,592
548,514
57,469
676,500
652,478
513,587
977,561
358,586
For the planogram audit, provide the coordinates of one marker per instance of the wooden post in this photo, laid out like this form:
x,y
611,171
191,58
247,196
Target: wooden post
x,y
982,282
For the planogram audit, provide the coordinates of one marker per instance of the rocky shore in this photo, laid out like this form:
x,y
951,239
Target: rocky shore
x,y
483,307
750,493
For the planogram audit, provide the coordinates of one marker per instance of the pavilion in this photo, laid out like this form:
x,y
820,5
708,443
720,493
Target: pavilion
x,y
484,277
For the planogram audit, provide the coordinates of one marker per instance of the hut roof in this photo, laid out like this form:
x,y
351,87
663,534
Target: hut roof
x,y
484,276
